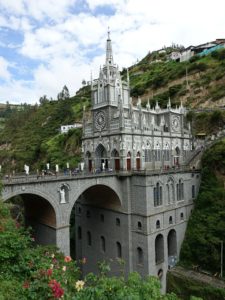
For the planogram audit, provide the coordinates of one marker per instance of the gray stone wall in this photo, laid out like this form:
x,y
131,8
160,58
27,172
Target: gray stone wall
x,y
129,198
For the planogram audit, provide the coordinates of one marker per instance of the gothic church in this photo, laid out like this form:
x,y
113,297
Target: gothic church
x,y
146,150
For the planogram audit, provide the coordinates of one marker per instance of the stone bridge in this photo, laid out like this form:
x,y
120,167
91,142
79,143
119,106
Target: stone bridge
x,y
49,200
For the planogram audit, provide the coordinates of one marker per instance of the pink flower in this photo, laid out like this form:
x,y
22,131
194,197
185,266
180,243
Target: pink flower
x,y
57,291
67,258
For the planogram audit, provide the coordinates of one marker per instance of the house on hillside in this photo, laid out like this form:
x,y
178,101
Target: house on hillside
x,y
202,49
175,56
66,128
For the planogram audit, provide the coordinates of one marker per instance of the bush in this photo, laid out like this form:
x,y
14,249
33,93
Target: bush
x,y
30,273
219,54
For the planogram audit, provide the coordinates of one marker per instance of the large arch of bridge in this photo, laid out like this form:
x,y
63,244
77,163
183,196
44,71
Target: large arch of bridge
x,y
45,197
97,191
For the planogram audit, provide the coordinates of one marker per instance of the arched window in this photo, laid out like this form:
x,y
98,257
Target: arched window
x,y
115,160
139,225
138,161
79,233
172,243
170,220
157,224
168,192
159,249
117,222
88,214
157,195
139,256
157,152
193,191
102,218
128,161
180,190
89,238
102,243
181,216
119,250
101,157
166,153
148,156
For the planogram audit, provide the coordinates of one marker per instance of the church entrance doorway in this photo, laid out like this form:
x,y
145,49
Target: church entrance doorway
x,y
101,161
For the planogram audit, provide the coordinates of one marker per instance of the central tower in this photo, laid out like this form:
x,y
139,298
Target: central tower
x,y
109,89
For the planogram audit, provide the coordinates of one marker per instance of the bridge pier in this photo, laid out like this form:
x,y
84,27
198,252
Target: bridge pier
x,y
63,239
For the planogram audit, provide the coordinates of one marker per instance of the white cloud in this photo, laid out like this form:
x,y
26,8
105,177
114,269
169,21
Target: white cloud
x,y
68,46
4,72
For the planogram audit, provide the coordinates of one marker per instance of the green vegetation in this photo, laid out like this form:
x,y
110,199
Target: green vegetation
x,y
185,286
31,135
36,272
155,76
205,231
207,122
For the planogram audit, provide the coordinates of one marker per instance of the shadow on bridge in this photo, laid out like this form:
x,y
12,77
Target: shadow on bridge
x,y
95,216
36,212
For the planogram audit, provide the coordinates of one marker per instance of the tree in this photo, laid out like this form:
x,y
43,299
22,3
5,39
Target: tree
x,y
43,100
64,94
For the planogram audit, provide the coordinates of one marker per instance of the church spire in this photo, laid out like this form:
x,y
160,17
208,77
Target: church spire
x,y
109,54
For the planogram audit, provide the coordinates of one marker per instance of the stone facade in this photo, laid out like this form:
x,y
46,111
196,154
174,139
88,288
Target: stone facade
x,y
120,136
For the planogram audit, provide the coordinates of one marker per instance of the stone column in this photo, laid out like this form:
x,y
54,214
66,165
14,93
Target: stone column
x,y
63,239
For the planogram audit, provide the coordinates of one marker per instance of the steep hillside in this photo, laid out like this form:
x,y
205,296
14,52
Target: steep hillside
x,y
206,227
31,135
199,82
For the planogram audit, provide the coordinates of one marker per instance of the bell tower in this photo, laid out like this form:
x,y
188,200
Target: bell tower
x,y
108,89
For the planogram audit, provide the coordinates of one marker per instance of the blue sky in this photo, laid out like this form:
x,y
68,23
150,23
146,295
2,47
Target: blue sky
x,y
45,44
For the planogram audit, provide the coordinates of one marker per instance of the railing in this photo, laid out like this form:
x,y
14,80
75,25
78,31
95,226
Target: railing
x,y
22,178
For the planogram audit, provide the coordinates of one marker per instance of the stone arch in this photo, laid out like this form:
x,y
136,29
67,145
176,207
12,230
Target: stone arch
x,y
41,214
159,249
101,157
93,195
47,197
172,248
115,159
172,242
